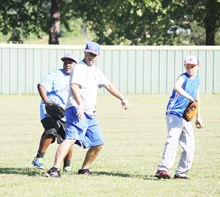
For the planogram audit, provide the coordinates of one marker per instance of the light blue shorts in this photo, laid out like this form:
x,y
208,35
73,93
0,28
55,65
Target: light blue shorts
x,y
86,131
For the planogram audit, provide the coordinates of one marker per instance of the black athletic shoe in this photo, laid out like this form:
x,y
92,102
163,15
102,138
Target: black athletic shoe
x,y
85,172
180,177
53,172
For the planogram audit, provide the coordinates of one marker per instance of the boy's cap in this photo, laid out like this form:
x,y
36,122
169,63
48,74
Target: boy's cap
x,y
70,56
191,59
92,47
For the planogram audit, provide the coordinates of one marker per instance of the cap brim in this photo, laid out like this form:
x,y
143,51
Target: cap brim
x,y
91,51
191,63
64,58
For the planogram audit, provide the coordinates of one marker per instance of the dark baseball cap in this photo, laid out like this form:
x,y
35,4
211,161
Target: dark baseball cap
x,y
70,56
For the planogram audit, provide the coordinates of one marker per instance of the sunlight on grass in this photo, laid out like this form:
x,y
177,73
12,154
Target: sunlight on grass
x,y
134,141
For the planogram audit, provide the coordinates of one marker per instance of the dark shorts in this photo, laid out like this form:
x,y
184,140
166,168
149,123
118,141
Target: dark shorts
x,y
57,129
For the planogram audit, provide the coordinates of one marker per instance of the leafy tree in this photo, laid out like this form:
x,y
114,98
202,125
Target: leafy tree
x,y
205,14
19,18
123,22
134,22
146,22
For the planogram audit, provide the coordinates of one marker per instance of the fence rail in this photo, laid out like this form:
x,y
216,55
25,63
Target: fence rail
x,y
133,69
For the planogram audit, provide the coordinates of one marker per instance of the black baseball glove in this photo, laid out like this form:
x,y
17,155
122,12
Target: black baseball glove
x,y
54,111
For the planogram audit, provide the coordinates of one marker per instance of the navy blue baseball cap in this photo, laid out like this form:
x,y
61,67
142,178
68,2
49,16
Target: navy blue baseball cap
x,y
92,47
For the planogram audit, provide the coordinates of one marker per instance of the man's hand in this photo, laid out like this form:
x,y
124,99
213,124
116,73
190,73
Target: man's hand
x,y
80,112
125,104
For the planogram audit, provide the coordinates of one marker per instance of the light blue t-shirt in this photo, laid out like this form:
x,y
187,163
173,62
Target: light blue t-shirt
x,y
177,103
56,84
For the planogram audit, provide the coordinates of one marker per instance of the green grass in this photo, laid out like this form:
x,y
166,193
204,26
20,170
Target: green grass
x,y
134,141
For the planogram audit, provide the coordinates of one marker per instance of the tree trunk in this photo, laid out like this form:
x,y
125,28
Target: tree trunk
x,y
210,35
210,22
54,24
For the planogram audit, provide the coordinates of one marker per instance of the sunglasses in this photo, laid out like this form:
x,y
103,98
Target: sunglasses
x,y
91,54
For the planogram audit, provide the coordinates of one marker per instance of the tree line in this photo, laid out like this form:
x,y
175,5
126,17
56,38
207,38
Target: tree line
x,y
124,22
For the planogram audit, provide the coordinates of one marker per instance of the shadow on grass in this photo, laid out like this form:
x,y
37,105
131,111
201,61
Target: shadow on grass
x,y
142,176
38,172
22,171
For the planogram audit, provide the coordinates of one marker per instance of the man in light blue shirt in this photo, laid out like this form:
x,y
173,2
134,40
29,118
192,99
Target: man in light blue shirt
x,y
54,88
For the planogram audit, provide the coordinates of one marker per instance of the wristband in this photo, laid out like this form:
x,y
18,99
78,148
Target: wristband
x,y
122,99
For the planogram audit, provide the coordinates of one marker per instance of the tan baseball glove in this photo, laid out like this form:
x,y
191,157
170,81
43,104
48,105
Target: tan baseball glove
x,y
191,110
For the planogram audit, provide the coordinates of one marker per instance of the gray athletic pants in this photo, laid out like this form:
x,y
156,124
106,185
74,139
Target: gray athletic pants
x,y
179,131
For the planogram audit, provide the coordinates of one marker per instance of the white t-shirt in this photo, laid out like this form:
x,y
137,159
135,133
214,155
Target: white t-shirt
x,y
90,78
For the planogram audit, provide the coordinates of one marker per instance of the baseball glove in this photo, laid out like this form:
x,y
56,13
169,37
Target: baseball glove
x,y
54,111
191,110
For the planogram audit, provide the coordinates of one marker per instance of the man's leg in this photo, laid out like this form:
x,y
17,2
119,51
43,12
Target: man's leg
x,y
93,139
91,154
48,137
62,151
72,133
45,142
67,161
60,139
69,154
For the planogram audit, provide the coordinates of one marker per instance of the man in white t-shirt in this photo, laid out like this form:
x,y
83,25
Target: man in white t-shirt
x,y
82,127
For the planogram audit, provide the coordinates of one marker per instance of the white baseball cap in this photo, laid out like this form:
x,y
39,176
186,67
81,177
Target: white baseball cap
x,y
191,59
70,56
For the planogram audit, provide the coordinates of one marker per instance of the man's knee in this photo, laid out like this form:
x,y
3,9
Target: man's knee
x,y
98,147
70,142
48,137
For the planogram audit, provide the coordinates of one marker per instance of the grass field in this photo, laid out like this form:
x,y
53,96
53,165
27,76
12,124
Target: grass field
x,y
134,142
